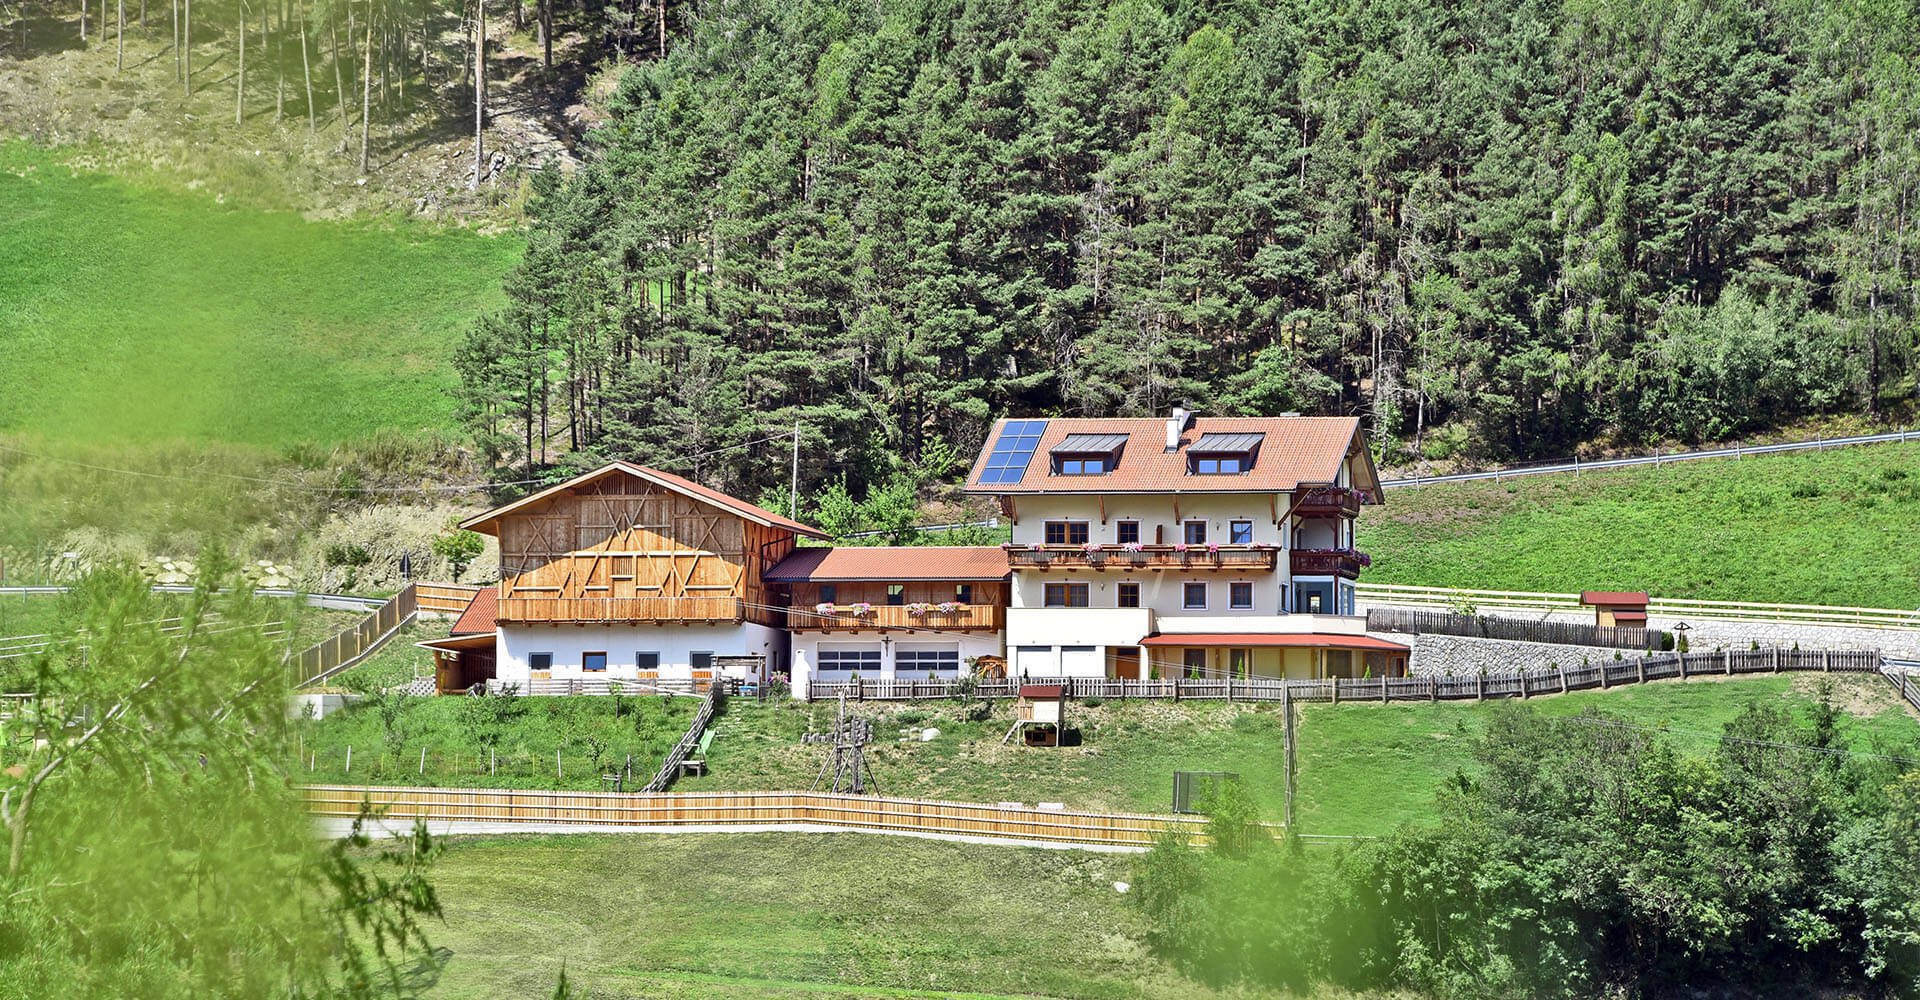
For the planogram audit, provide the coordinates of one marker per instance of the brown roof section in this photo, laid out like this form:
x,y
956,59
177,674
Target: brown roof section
x,y
485,522
1294,451
479,616
891,562
1613,597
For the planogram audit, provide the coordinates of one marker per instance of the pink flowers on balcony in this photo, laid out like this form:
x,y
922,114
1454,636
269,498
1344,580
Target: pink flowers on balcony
x,y
860,609
1091,548
918,609
1213,548
1180,547
949,607
1132,548
824,608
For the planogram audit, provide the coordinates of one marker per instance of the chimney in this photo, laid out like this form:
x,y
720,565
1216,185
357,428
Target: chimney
x,y
1175,425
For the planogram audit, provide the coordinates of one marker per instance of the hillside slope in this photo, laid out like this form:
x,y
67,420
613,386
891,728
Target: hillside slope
x,y
1833,527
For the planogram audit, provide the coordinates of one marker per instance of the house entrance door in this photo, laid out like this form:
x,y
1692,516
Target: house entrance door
x,y
1126,664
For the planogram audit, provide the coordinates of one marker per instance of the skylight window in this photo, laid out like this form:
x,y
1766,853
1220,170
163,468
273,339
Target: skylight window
x,y
1087,454
1223,454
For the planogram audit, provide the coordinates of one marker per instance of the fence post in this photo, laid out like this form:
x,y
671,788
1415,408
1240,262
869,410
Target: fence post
x,y
349,767
1563,675
423,760
1603,675
1480,687
1776,659
1523,683
1726,661
1641,663
1681,658
1826,661
1433,689
1333,685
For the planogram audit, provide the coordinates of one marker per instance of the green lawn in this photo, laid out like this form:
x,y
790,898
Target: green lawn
x,y
788,915
1823,527
136,313
492,742
1365,769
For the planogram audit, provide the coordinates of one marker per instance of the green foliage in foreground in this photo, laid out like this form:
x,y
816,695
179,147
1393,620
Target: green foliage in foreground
x,y
1585,856
1832,527
155,845
134,313
789,916
497,741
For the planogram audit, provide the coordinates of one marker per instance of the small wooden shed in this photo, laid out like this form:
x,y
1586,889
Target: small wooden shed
x,y
1623,608
1041,713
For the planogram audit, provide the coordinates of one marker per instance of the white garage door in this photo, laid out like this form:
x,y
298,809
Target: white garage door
x,y
1035,661
1081,661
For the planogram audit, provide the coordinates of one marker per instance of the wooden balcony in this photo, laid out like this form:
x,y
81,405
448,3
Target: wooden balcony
x,y
622,609
1329,501
966,618
1257,558
1329,562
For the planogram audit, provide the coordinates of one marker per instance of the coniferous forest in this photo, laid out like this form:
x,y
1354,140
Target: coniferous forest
x,y
1496,230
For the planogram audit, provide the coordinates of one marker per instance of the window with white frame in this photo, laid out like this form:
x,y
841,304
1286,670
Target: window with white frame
x,y
1193,596
847,658
1194,532
1240,532
1128,594
1067,532
914,660
1064,595
1126,532
1240,595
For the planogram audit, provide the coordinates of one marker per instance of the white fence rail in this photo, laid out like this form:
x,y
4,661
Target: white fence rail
x,y
1738,451
1391,594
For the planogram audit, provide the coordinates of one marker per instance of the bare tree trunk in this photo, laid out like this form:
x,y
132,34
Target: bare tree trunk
x,y
280,72
545,14
479,88
366,94
306,74
176,39
186,46
120,39
143,18
339,83
86,11
240,77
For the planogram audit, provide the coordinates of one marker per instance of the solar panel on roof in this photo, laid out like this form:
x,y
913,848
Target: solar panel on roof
x,y
1007,463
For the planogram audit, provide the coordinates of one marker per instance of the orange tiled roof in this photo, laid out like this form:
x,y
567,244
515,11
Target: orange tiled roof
x,y
891,562
479,616
1613,597
1295,451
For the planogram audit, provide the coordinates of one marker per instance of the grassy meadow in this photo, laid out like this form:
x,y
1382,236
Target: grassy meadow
x,y
788,915
134,312
1822,527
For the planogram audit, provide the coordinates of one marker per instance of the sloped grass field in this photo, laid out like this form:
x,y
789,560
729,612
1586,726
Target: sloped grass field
x,y
137,313
491,742
1816,527
788,915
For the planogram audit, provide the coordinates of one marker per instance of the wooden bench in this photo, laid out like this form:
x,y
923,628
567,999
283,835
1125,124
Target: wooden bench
x,y
697,762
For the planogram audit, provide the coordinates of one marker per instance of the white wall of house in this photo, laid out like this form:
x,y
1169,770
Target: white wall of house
x,y
885,655
1153,511
675,645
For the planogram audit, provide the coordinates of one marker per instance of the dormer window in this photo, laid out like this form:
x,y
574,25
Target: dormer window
x,y
1223,454
1087,454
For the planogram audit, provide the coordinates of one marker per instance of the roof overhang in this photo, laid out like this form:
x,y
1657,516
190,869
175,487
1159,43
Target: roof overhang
x,y
1289,640
460,643
487,523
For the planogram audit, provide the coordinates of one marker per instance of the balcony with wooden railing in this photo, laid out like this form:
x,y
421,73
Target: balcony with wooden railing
x,y
879,617
1330,501
1329,562
725,608
1144,557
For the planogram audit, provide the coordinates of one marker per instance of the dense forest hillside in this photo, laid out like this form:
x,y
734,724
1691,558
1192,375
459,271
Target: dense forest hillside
x,y
1504,228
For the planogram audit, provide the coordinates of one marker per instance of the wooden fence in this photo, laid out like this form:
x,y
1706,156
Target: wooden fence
x,y
670,768
355,643
642,810
1515,629
1509,684
1803,614
444,598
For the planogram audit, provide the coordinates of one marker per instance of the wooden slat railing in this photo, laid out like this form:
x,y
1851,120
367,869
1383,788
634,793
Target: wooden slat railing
x,y
721,809
1195,557
670,768
444,598
622,609
987,617
351,645
1511,684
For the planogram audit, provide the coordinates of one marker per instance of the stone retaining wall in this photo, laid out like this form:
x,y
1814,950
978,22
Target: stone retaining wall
x,y
1457,655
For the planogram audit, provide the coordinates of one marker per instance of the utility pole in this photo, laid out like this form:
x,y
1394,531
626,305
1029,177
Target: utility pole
x,y
793,491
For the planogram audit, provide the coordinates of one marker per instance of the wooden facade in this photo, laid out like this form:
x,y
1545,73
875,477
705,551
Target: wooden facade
x,y
620,548
984,612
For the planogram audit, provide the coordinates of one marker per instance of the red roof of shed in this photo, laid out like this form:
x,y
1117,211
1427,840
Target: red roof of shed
x,y
1613,597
